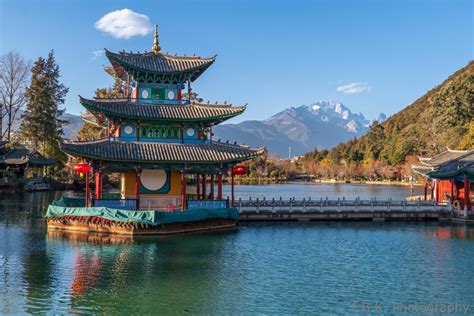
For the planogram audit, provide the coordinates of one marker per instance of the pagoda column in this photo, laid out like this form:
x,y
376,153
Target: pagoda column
x,y
98,184
219,186
212,187
452,190
232,189
467,201
425,185
204,196
138,171
87,188
183,190
198,189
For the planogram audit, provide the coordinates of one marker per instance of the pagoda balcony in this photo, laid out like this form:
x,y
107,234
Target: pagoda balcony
x,y
121,204
207,204
164,204
159,101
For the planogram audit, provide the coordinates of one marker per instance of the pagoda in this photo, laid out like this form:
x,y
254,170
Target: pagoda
x,y
160,141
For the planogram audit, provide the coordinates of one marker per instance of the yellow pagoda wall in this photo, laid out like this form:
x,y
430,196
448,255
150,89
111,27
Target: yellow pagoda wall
x,y
128,182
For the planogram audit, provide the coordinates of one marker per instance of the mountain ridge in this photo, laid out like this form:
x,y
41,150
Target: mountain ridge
x,y
321,124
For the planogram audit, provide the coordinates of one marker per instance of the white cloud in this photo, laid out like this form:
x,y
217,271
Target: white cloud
x,y
97,53
124,24
354,87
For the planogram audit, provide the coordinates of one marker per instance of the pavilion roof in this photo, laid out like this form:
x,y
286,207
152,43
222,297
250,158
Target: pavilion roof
x,y
194,112
159,64
22,156
462,166
444,157
448,164
154,152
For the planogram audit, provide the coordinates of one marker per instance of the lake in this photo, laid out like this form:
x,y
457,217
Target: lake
x,y
293,268
300,190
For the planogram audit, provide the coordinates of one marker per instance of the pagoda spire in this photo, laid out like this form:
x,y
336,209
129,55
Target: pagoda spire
x,y
156,47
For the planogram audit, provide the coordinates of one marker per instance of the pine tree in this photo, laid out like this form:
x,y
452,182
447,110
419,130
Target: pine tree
x,y
41,125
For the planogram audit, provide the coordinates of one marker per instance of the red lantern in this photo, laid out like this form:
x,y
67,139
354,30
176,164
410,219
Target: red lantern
x,y
81,167
239,170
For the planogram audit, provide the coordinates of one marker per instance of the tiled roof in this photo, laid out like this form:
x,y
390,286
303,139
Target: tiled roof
x,y
149,152
422,170
21,156
448,164
444,157
161,63
463,165
122,108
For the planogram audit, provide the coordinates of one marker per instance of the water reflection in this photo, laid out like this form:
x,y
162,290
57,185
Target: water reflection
x,y
455,231
110,269
291,268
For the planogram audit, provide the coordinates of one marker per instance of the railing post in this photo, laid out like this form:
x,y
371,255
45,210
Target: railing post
x,y
258,208
304,205
291,205
321,205
240,203
404,205
273,205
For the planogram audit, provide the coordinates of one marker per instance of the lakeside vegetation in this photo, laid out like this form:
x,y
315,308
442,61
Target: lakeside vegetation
x,y
443,117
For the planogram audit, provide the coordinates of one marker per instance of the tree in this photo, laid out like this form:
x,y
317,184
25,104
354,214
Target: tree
x,y
90,131
13,82
467,142
41,125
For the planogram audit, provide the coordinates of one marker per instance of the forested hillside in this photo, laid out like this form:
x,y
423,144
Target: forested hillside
x,y
443,117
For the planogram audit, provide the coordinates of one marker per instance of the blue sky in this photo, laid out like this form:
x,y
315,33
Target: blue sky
x,y
372,55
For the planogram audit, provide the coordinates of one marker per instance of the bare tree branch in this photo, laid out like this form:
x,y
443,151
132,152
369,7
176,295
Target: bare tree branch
x,y
14,71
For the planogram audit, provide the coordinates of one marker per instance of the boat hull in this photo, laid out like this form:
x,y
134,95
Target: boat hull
x,y
138,229
67,215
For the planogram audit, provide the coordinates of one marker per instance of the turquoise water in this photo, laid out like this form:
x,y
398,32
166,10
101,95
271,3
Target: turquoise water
x,y
300,190
313,268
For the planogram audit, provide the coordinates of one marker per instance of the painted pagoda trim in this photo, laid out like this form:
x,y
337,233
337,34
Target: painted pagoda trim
x,y
159,64
194,112
153,152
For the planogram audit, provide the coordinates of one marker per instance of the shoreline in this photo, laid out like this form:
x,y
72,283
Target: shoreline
x,y
267,181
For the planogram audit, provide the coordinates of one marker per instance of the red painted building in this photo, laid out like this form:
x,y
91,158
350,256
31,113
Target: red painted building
x,y
450,177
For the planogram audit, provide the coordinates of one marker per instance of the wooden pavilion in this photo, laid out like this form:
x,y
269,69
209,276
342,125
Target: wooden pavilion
x,y
159,142
451,174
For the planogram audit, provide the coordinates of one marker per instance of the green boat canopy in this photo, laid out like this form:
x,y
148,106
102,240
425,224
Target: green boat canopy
x,y
70,207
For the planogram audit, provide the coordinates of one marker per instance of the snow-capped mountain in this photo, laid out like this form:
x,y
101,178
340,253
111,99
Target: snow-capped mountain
x,y
322,124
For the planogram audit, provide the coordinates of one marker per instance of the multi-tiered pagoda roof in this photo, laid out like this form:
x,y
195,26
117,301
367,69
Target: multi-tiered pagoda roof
x,y
154,123
158,66
194,111
154,152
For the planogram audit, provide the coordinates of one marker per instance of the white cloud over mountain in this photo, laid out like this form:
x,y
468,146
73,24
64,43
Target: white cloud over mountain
x,y
124,23
354,87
